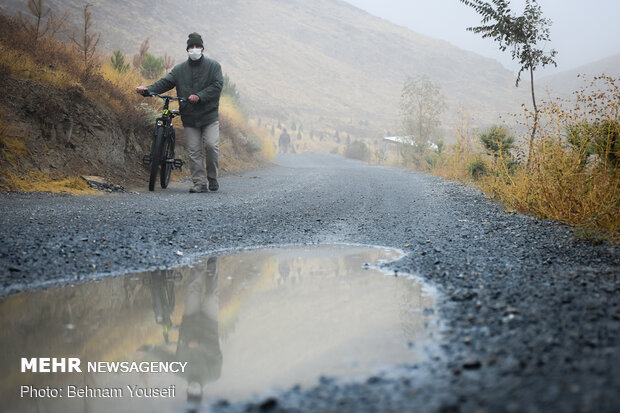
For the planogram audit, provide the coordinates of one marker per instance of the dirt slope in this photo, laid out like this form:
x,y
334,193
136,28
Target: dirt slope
x,y
65,132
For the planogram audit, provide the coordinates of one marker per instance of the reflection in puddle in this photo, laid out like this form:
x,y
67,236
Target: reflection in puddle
x,y
242,323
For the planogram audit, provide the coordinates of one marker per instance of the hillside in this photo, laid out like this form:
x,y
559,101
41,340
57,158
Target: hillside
x,y
324,63
564,83
59,121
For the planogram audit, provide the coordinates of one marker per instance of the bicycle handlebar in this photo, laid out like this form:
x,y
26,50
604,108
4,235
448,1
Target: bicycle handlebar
x,y
148,94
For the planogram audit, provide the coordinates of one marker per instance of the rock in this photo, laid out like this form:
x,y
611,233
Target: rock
x,y
373,380
268,404
101,184
472,364
461,294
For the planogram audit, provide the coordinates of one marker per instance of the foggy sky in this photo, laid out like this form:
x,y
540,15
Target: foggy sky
x,y
582,31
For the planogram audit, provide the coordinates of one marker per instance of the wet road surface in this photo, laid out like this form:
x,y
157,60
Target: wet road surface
x,y
532,314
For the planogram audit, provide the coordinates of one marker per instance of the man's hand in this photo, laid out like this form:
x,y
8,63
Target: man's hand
x,y
193,98
141,90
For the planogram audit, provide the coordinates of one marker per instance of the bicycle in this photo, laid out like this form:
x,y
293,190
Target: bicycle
x,y
161,283
161,159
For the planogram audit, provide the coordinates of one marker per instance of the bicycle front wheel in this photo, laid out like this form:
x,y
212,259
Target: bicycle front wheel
x,y
166,167
156,156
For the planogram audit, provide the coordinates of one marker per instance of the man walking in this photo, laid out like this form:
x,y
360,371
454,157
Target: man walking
x,y
284,141
200,80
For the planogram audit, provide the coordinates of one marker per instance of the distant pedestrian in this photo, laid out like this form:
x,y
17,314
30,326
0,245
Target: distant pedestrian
x,y
285,141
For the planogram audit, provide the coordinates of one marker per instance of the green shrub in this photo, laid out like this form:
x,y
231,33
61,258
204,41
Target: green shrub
x,y
599,138
118,62
152,67
497,141
230,88
477,168
357,150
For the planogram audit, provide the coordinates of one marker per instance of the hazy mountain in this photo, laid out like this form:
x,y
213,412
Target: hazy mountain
x,y
322,62
565,83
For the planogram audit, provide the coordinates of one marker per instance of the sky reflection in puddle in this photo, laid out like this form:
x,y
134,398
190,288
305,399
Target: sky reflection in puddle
x,y
244,323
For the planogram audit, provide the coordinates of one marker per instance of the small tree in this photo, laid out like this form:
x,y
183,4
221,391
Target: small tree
x,y
497,141
152,67
421,105
118,62
86,41
521,34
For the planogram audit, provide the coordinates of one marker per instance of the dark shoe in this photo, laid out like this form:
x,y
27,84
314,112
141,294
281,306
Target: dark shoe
x,y
198,188
213,185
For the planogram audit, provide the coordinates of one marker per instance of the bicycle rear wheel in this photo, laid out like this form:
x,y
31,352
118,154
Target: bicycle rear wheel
x,y
166,167
156,156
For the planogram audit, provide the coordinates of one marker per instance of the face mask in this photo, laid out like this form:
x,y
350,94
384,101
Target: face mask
x,y
194,54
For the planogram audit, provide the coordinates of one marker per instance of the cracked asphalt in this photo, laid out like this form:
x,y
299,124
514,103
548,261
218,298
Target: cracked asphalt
x,y
532,314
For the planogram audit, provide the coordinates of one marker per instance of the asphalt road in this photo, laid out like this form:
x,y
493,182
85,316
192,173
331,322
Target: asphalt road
x,y
532,314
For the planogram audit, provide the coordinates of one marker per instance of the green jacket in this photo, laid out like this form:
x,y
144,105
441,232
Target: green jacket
x,y
202,77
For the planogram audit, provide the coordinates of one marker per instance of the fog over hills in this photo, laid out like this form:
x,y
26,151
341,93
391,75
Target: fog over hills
x,y
565,83
324,63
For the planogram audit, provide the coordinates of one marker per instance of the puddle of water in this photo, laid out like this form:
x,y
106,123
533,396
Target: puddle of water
x,y
244,323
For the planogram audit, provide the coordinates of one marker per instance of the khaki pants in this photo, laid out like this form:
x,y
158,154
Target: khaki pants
x,y
195,138
202,293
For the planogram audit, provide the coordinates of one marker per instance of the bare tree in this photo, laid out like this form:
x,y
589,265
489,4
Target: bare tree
x,y
56,24
168,62
39,12
86,41
421,106
52,26
138,58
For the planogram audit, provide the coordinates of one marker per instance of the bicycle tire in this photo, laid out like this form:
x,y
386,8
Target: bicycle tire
x,y
166,168
156,152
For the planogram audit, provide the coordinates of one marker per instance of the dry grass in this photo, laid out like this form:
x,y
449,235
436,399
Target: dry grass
x,y
453,165
123,95
38,181
558,189
12,149
20,65
564,181
245,140
567,180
